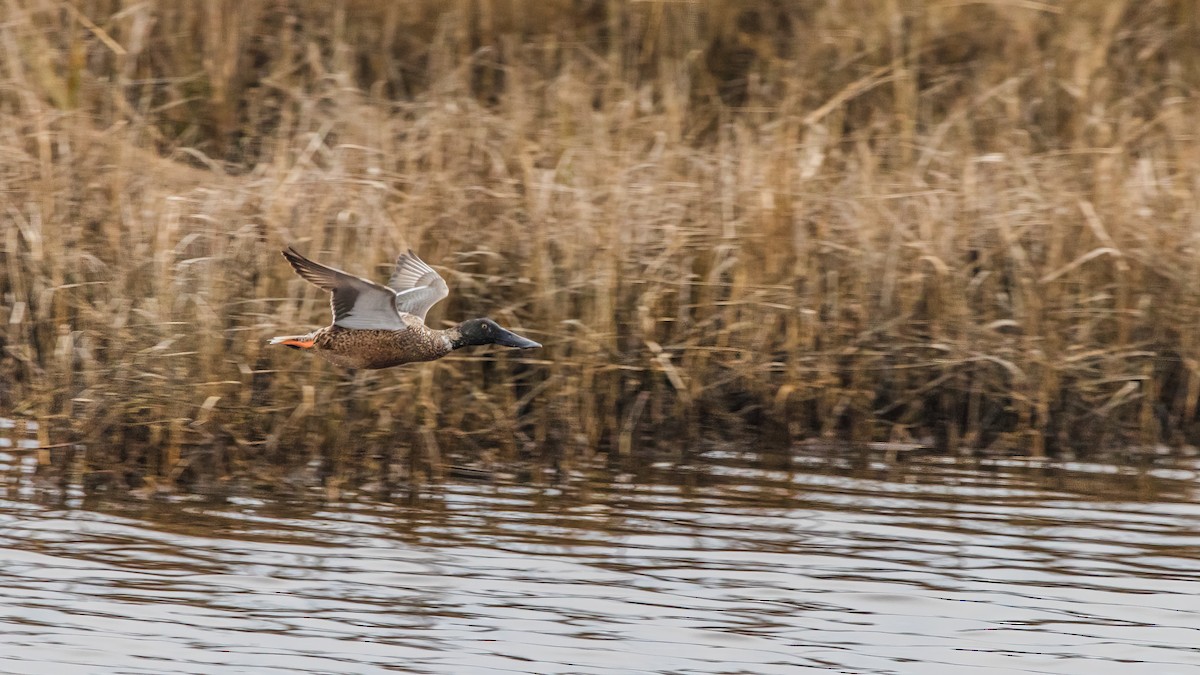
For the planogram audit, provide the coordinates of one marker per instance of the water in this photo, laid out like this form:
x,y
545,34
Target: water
x,y
922,566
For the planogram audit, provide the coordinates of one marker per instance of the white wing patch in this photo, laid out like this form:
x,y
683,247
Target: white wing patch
x,y
356,302
417,285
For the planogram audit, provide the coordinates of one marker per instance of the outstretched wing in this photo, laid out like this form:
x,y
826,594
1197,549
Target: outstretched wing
x,y
418,287
357,302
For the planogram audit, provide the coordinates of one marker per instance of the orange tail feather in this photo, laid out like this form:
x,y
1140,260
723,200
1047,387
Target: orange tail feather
x,y
294,341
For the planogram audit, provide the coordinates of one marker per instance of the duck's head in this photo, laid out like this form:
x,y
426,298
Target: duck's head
x,y
488,332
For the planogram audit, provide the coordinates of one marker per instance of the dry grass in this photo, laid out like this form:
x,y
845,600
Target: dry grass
x,y
872,220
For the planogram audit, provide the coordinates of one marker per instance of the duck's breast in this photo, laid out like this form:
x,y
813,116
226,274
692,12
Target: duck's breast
x,y
374,349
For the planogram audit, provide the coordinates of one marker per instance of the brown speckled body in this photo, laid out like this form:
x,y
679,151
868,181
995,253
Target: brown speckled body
x,y
374,349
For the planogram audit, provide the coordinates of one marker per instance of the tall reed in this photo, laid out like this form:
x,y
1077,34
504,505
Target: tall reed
x,y
971,223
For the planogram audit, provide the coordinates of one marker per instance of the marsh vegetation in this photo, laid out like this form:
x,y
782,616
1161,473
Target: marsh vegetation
x,y
968,224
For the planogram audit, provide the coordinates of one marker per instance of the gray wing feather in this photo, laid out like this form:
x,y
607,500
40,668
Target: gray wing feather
x,y
356,302
417,285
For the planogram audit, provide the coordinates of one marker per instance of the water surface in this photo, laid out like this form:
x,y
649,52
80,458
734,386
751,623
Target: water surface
x,y
926,565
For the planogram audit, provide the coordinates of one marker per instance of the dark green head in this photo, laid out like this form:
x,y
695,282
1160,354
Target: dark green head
x,y
488,332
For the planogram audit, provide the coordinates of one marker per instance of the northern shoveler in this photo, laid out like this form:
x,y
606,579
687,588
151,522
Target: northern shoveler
x,y
378,326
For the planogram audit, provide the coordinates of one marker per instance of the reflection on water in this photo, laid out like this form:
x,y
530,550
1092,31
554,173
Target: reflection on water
x,y
931,566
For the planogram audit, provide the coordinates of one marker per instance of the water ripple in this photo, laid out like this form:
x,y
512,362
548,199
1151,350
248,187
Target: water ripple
x,y
931,567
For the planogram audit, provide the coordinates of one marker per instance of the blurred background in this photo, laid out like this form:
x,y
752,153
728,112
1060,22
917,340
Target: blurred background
x,y
970,226
870,336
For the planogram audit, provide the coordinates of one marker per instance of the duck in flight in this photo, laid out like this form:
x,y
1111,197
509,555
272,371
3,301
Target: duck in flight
x,y
377,326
